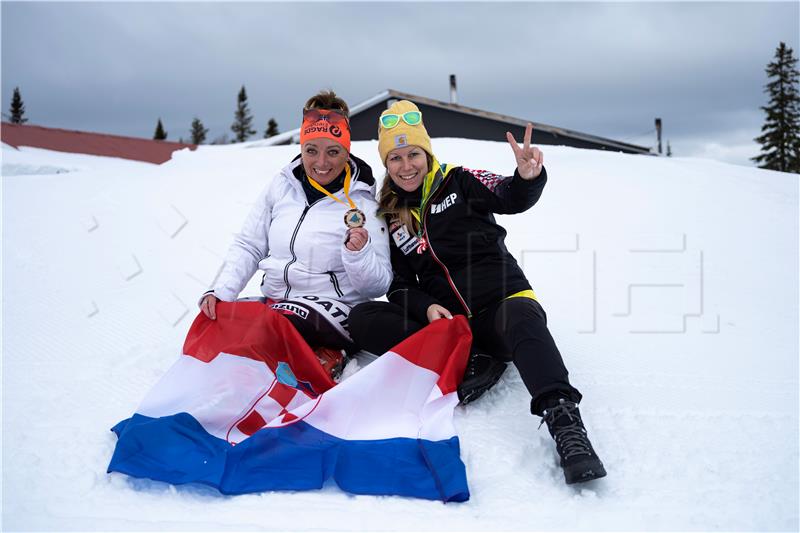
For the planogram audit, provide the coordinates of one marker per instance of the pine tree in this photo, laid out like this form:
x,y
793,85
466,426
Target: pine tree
x,y
272,129
160,134
198,132
17,108
780,139
243,120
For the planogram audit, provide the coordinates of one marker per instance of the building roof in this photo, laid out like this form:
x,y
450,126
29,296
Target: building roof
x,y
82,142
392,94
388,94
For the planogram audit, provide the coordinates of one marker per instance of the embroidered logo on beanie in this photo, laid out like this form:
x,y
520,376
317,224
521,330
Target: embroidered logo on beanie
x,y
400,140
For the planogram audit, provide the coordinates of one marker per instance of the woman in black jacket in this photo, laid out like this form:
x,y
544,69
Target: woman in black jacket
x,y
449,257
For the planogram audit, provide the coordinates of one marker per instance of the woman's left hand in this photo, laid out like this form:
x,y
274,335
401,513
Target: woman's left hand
x,y
530,159
356,239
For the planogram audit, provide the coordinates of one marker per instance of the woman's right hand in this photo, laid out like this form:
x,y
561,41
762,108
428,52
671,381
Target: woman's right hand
x,y
356,239
209,305
436,311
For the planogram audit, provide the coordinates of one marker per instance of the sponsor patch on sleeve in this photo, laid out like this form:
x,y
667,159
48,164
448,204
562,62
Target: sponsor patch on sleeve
x,y
403,239
410,246
400,235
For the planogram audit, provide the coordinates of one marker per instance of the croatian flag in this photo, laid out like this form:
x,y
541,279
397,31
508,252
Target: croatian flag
x,y
248,408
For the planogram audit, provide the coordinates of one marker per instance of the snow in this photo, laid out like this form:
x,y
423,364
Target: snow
x,y
27,161
671,287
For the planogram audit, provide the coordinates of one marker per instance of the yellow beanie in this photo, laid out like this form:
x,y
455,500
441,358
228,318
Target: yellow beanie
x,y
403,134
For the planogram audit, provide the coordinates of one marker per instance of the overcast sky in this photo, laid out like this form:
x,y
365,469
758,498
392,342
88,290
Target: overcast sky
x,y
603,68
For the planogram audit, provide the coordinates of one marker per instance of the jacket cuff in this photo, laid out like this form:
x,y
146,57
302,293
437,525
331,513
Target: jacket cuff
x,y
219,293
416,301
538,181
203,296
419,309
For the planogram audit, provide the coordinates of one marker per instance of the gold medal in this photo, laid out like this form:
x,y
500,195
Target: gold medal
x,y
354,218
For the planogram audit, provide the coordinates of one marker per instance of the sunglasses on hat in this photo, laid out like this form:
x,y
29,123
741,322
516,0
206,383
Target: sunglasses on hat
x,y
412,118
331,115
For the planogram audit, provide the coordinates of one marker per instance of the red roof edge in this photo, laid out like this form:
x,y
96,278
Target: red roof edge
x,y
82,142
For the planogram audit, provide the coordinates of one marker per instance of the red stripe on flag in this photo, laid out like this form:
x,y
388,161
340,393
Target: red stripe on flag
x,y
441,347
253,330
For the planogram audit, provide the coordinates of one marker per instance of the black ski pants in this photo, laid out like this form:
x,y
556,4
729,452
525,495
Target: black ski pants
x,y
512,330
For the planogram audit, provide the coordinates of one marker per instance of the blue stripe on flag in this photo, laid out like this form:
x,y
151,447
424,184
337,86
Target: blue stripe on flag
x,y
177,449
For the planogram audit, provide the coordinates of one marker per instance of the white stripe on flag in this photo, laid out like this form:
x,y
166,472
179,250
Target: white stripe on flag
x,y
217,394
390,398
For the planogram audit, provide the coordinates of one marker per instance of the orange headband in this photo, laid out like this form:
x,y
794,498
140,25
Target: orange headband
x,y
319,123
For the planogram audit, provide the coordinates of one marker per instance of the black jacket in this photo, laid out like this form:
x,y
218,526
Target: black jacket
x,y
461,261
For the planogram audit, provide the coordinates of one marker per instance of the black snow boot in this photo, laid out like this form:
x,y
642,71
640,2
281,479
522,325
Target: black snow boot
x,y
483,371
578,459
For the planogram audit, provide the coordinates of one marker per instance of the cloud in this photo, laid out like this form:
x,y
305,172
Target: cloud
x,y
603,68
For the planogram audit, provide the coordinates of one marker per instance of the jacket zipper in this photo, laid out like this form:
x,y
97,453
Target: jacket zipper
x,y
291,249
441,264
335,282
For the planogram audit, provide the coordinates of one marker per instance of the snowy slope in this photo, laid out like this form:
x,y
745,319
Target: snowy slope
x,y
671,288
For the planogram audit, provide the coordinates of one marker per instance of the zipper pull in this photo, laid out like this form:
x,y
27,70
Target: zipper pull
x,y
423,245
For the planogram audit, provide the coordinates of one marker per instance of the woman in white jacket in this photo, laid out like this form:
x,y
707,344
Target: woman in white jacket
x,y
315,233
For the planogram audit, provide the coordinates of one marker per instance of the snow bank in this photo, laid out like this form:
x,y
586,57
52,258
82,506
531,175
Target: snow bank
x,y
670,284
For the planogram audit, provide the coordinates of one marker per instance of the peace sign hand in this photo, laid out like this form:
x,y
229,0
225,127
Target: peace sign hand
x,y
530,159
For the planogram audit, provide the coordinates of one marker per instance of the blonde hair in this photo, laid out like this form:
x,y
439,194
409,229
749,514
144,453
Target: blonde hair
x,y
327,99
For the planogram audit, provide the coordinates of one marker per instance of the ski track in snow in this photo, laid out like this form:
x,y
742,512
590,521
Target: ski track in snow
x,y
696,421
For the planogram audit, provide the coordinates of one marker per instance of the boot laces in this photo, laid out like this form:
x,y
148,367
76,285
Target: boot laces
x,y
472,365
571,438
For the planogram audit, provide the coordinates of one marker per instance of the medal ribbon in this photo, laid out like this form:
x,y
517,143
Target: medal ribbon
x,y
346,188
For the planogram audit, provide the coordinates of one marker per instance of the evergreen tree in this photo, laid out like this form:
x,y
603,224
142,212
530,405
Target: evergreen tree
x,y
272,129
780,138
160,134
242,126
17,108
198,132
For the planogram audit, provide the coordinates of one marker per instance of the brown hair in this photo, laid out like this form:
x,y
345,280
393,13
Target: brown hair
x,y
388,200
327,99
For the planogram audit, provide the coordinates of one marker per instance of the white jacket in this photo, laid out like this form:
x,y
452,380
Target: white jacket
x,y
300,247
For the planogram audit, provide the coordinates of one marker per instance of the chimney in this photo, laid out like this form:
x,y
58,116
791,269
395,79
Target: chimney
x,y
453,98
658,134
